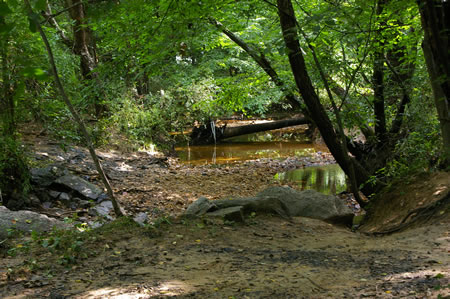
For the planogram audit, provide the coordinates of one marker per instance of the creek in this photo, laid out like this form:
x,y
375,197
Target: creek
x,y
278,144
328,179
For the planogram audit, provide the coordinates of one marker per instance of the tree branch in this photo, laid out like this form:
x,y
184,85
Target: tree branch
x,y
261,60
50,18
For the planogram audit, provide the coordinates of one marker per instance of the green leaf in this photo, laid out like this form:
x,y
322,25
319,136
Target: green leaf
x,y
32,25
35,72
316,29
13,3
4,9
40,4
6,28
330,22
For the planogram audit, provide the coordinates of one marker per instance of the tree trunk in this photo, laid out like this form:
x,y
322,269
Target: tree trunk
x,y
205,135
378,82
316,110
7,97
83,39
436,26
84,46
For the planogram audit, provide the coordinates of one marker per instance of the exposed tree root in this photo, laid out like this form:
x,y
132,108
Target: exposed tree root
x,y
420,215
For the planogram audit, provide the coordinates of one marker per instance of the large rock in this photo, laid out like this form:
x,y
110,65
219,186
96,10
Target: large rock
x,y
26,221
81,186
283,201
310,203
44,177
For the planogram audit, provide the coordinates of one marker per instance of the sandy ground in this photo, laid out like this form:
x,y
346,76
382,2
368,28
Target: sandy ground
x,y
267,258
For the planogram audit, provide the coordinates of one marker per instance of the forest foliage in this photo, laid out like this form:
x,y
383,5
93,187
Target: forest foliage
x,y
149,68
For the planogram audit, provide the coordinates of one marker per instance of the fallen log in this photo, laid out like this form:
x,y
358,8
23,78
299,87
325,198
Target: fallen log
x,y
205,134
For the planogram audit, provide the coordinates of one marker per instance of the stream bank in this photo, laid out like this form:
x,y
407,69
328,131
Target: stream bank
x,y
267,258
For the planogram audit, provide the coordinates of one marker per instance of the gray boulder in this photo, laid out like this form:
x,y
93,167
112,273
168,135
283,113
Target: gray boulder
x,y
310,203
283,201
81,186
45,176
26,221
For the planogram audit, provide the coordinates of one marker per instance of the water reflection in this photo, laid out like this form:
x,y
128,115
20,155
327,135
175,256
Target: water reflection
x,y
280,135
233,152
327,179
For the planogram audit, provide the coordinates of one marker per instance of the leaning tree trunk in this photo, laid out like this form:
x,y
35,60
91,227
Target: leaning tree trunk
x,y
436,25
87,138
317,111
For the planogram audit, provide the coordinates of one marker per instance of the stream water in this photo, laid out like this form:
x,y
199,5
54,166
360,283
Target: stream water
x,y
232,152
329,179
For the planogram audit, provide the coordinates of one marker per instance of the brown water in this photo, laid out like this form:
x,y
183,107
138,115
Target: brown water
x,y
242,151
277,144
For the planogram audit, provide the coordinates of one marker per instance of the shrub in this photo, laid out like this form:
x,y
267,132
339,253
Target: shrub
x,y
14,172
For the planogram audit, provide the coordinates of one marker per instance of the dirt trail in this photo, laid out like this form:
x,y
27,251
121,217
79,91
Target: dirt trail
x,y
266,258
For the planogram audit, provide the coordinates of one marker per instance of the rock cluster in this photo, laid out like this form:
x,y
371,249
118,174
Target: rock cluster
x,y
54,184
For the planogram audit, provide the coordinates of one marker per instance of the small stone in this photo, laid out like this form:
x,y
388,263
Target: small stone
x,y
54,194
141,218
34,200
102,197
84,204
101,209
47,205
64,197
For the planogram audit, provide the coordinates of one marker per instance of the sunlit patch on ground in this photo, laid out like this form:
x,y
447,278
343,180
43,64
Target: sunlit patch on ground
x,y
166,288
